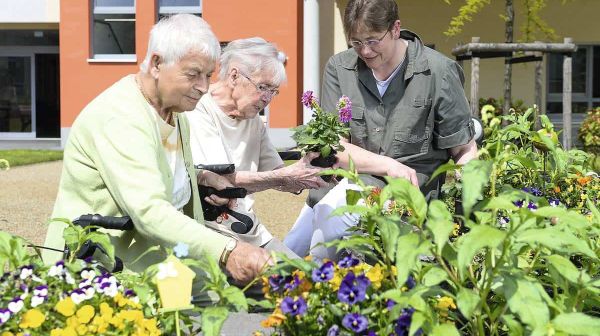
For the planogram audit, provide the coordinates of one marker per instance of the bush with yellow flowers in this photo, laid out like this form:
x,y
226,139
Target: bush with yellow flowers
x,y
70,299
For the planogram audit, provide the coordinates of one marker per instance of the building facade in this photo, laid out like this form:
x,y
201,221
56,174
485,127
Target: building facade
x,y
44,84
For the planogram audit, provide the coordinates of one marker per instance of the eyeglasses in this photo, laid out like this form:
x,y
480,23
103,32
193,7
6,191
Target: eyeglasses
x,y
369,43
264,89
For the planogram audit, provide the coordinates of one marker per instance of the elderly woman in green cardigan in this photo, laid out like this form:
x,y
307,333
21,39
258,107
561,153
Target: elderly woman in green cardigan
x,y
128,154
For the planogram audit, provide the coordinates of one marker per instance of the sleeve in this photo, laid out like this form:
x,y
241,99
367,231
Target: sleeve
x,y
330,90
269,157
128,163
452,125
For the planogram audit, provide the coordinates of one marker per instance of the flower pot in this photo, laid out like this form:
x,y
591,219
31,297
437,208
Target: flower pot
x,y
325,162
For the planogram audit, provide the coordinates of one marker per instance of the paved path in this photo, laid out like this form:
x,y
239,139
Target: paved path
x,y
27,195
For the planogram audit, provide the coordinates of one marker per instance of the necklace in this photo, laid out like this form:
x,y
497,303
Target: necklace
x,y
169,119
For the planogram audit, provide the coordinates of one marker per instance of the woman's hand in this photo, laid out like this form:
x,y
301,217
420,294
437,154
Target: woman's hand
x,y
210,179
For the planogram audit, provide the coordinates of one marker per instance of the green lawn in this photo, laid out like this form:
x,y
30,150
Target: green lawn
x,y
20,157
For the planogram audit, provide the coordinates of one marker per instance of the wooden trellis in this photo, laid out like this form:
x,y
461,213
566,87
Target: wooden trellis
x,y
533,53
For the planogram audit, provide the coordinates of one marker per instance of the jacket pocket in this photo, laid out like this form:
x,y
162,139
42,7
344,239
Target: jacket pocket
x,y
413,130
358,126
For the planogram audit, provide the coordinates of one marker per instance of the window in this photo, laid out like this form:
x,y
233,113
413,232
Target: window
x,y
113,29
169,7
586,80
15,94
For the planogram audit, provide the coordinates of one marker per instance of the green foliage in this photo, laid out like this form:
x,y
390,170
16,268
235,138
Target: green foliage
x,y
20,157
533,26
525,261
4,164
589,132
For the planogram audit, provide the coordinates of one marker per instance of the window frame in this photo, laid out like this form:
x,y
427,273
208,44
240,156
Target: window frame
x,y
170,10
586,97
104,10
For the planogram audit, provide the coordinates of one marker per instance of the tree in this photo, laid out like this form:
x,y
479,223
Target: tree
x,y
533,26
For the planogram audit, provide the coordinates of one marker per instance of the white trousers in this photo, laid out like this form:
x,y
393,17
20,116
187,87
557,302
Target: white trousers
x,y
316,225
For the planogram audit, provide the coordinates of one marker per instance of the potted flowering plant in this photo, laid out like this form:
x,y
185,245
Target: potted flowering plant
x,y
322,134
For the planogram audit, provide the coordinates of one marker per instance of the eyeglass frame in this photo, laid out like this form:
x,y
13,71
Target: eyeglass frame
x,y
262,88
371,43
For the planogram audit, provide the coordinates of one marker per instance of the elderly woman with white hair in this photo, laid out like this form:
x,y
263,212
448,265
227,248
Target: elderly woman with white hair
x,y
225,128
128,155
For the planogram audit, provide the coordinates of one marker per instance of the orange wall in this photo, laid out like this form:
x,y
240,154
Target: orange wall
x,y
277,21
81,81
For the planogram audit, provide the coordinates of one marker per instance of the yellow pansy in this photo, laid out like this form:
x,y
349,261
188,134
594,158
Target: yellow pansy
x,y
274,319
443,304
65,306
375,274
32,318
7,333
85,314
106,311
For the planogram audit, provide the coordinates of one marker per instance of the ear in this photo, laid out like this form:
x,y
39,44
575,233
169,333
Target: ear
x,y
233,75
155,62
396,28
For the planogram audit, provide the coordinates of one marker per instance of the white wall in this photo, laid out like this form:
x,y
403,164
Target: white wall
x,y
24,11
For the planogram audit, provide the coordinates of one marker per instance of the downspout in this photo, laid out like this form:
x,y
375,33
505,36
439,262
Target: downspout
x,y
311,52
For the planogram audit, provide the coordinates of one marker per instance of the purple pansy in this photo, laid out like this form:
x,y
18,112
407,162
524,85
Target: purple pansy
x,y
353,289
410,282
334,330
344,107
533,190
402,324
293,307
389,304
554,202
355,322
26,272
308,99
323,273
15,305
4,315
518,203
41,290
348,261
291,283
532,206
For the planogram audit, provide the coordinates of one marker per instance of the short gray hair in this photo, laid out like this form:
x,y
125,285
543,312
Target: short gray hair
x,y
252,55
175,36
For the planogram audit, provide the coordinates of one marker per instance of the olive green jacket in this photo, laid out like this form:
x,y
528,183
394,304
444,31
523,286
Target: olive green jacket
x,y
114,165
423,113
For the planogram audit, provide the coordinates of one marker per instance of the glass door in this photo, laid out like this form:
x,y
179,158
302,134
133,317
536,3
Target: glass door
x,y
15,94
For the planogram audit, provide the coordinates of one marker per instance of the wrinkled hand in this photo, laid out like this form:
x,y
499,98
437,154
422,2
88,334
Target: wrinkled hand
x,y
397,169
246,262
210,179
301,175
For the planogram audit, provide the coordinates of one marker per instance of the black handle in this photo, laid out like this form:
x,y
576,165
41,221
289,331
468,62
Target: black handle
x,y
221,169
229,192
107,222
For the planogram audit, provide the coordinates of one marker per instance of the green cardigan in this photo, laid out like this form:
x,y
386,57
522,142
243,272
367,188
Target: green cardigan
x,y
114,165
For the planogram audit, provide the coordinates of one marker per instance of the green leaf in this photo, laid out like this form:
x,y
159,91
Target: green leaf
x,y
565,217
566,268
213,319
577,324
71,236
514,326
434,276
352,196
416,322
325,151
446,167
337,311
524,300
235,296
262,303
406,255
389,237
444,329
479,237
477,173
402,188
504,202
440,224
467,301
555,238
103,240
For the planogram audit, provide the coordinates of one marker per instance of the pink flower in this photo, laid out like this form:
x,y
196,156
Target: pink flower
x,y
344,107
308,99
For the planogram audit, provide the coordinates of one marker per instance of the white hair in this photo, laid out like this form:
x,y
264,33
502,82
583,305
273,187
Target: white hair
x,y
175,36
253,55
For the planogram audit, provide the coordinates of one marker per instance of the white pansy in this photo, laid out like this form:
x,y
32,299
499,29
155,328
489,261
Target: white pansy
x,y
37,300
15,306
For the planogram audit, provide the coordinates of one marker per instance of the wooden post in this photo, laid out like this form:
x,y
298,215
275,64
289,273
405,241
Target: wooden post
x,y
567,88
538,90
475,82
